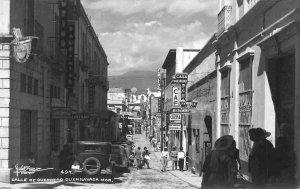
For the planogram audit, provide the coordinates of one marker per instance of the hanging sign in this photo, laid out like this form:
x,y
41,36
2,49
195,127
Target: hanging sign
x,y
174,127
180,110
22,46
175,116
176,91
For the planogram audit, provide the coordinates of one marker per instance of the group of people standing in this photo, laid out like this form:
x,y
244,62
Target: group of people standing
x,y
141,157
175,156
267,165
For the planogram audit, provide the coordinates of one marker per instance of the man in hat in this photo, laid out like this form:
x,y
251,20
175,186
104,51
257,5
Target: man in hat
x,y
260,158
218,164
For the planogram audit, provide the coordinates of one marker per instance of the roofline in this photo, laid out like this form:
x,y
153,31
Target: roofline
x,y
193,63
91,29
170,53
166,62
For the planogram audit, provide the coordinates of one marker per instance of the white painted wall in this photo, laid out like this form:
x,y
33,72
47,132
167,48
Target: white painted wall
x,y
4,16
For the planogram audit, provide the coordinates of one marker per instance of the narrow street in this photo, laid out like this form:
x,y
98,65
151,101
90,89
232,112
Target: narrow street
x,y
136,179
133,178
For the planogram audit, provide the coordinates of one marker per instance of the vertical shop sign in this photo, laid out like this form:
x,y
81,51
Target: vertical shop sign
x,y
63,30
91,94
183,91
67,39
70,56
175,96
158,79
158,105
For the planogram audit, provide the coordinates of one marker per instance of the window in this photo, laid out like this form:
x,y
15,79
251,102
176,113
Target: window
x,y
54,92
35,87
225,101
23,83
29,85
245,106
58,92
28,140
51,91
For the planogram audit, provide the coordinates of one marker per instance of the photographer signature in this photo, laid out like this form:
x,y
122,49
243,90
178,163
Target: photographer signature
x,y
27,170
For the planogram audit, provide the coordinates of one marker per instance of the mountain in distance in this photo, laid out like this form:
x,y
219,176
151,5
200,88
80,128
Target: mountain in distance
x,y
136,78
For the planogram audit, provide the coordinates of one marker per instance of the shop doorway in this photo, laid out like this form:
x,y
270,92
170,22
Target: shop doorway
x,y
281,75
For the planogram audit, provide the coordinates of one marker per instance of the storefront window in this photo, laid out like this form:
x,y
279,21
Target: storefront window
x,y
225,101
245,107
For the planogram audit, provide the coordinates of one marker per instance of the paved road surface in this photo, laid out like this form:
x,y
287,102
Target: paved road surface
x,y
132,179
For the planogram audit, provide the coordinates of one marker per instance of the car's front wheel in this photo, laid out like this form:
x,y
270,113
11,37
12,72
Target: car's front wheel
x,y
91,166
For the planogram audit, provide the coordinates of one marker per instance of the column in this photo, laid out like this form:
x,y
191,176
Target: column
x,y
218,110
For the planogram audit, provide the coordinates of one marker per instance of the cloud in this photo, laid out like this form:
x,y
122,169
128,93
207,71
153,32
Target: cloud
x,y
136,46
174,7
137,34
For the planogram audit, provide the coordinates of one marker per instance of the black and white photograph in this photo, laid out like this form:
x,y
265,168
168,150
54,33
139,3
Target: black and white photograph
x,y
150,94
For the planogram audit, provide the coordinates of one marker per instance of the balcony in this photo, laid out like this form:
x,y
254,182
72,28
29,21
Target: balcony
x,y
224,19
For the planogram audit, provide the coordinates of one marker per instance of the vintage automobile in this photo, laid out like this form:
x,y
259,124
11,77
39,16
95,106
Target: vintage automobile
x,y
128,145
91,157
119,156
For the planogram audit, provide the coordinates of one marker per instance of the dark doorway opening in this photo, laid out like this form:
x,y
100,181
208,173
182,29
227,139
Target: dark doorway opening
x,y
281,76
208,124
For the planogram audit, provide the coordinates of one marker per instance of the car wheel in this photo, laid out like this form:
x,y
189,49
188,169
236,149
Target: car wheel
x,y
91,166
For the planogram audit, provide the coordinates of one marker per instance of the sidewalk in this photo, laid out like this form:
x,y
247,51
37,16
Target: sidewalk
x,y
186,175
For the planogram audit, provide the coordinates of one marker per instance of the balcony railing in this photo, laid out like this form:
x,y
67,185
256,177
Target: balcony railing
x,y
224,19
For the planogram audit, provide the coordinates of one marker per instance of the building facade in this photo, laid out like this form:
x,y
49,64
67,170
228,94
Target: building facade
x,y
40,102
201,121
176,60
258,71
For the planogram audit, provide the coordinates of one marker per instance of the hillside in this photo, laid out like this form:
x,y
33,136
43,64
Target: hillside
x,y
136,78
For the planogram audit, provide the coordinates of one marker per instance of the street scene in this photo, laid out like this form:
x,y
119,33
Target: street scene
x,y
133,177
150,94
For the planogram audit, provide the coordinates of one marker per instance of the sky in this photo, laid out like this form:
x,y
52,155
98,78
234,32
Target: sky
x,y
138,34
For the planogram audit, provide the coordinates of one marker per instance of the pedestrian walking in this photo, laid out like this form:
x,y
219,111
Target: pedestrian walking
x,y
174,154
218,165
181,157
146,157
260,161
158,146
138,158
154,143
164,159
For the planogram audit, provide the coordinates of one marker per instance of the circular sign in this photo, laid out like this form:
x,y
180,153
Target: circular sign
x,y
22,52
